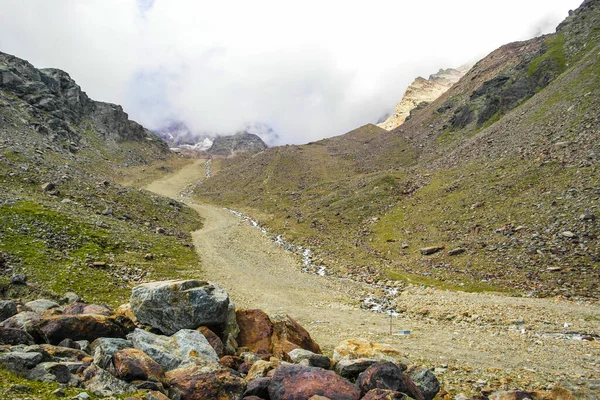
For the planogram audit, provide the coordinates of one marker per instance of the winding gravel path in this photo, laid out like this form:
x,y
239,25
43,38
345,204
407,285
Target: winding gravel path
x,y
500,341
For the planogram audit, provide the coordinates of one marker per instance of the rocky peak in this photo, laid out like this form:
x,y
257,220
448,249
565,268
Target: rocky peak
x,y
57,107
423,91
239,143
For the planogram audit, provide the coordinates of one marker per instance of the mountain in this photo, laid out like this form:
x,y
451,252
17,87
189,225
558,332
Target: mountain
x,y
498,175
64,221
422,92
243,142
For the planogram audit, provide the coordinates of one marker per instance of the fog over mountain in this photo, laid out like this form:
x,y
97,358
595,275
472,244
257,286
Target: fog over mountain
x,y
305,69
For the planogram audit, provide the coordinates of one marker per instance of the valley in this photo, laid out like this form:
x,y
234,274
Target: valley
x,y
503,341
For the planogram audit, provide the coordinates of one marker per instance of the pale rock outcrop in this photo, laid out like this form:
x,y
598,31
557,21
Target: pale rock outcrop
x,y
423,90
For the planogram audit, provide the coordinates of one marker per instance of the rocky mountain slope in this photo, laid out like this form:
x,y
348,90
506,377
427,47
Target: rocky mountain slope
x,y
422,92
64,222
493,185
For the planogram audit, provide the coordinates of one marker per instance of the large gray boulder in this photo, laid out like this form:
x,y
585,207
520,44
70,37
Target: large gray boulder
x,y
180,304
19,362
185,347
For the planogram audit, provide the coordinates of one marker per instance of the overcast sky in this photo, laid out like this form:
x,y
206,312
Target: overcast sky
x,y
309,69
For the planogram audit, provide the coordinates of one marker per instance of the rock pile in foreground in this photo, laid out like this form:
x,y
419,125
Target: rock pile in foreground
x,y
185,340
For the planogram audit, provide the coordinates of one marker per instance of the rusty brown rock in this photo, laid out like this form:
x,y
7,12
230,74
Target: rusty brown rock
x,y
193,382
290,335
80,327
297,382
387,375
133,364
214,340
232,362
256,330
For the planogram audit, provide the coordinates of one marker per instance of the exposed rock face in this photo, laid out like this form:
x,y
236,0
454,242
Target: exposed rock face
x,y
181,304
295,382
420,91
46,107
238,143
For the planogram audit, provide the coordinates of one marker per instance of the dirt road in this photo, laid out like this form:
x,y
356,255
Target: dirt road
x,y
474,340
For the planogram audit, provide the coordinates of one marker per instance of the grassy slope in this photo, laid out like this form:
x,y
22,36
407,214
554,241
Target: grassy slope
x,y
504,191
54,238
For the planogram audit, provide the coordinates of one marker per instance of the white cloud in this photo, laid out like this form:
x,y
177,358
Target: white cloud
x,y
309,69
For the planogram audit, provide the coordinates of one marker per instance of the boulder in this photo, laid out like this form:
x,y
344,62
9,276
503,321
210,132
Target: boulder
x,y
295,382
290,335
63,353
259,369
133,364
314,360
18,279
170,306
255,329
77,308
14,336
28,321
278,334
258,387
70,343
351,368
361,348
8,308
232,362
383,394
387,375
49,372
41,305
102,350
214,340
101,383
70,297
185,347
84,345
425,381
19,362
194,382
124,310
426,251
80,327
